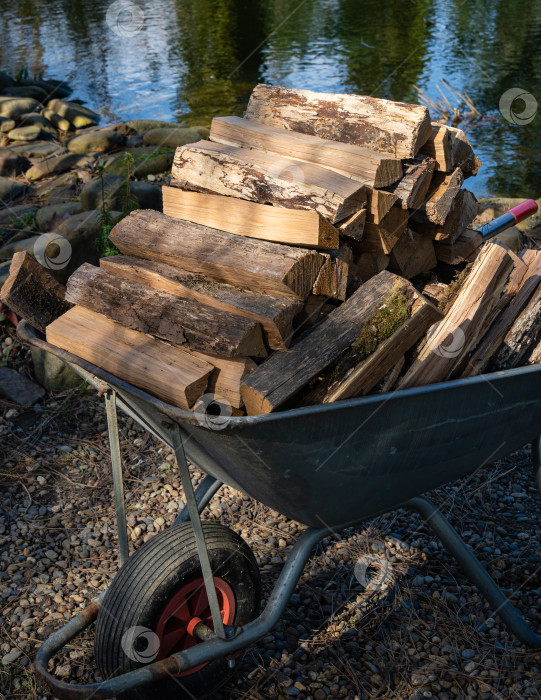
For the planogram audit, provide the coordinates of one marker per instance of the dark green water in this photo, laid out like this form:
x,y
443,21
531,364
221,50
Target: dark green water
x,y
202,57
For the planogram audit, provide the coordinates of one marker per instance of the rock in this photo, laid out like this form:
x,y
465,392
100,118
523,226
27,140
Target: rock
x,y
6,124
17,246
10,658
55,164
62,189
78,115
52,373
6,80
34,119
57,121
148,161
13,165
12,214
37,149
51,216
147,195
14,108
100,140
58,88
25,133
19,389
81,232
139,126
173,138
468,653
34,91
10,190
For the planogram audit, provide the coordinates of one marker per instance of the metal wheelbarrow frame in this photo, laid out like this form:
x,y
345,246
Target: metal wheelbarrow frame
x,y
319,465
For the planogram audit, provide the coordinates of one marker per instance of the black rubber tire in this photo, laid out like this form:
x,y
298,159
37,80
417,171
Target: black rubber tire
x,y
149,579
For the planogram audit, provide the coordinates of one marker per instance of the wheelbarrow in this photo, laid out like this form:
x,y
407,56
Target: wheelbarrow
x,y
187,601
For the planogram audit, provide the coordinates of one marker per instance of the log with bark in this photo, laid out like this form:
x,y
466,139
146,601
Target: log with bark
x,y
441,196
496,334
279,379
258,265
379,125
451,149
33,293
291,226
264,178
157,367
412,189
274,312
449,341
368,167
202,328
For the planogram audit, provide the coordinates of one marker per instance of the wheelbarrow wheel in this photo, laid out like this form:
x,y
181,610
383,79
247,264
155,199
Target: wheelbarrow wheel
x,y
146,613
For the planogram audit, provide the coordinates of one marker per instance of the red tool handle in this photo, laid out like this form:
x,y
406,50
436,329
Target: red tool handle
x,y
524,210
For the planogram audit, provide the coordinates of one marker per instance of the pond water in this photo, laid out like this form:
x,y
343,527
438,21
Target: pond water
x,y
193,59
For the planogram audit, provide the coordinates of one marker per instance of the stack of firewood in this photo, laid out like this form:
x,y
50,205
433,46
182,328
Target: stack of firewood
x,y
316,250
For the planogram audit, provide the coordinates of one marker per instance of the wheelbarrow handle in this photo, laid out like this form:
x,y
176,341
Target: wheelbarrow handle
x,y
510,218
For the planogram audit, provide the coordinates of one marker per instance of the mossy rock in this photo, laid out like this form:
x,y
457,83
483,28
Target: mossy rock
x,y
25,133
34,91
140,126
147,161
62,189
173,138
97,141
34,119
54,165
6,124
36,149
75,113
51,216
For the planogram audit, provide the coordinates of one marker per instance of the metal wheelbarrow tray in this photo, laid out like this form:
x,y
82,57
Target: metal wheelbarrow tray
x,y
328,467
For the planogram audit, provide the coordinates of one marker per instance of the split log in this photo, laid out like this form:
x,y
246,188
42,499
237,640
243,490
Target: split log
x,y
33,293
261,177
463,155
291,226
379,125
439,147
284,374
315,308
163,370
226,376
451,149
332,280
412,254
275,312
381,238
353,226
496,334
435,292
166,316
443,191
368,167
244,262
463,248
364,376
412,189
378,204
462,327
463,212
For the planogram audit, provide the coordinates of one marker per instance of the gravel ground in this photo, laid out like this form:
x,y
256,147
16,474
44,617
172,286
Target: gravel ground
x,y
343,636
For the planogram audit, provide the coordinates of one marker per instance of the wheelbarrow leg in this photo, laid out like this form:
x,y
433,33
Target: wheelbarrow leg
x,y
536,460
118,481
203,495
193,510
474,570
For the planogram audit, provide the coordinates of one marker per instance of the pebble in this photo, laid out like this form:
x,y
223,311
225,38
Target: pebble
x,y
11,657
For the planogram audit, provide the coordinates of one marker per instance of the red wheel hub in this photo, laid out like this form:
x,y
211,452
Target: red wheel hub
x,y
188,606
